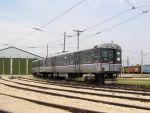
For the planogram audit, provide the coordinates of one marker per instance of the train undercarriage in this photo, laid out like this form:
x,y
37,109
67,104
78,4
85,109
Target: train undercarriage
x,y
95,78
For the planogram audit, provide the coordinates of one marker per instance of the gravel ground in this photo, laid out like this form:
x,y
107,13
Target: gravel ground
x,y
14,105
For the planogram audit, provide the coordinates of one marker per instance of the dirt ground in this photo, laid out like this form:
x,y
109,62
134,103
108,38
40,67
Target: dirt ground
x,y
10,99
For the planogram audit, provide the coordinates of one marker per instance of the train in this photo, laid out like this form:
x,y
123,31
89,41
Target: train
x,y
99,62
137,69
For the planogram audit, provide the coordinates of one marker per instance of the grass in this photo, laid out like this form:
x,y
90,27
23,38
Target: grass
x,y
145,83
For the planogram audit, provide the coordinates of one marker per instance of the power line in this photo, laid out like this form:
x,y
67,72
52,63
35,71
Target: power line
x,y
130,4
108,19
108,29
62,14
115,16
105,30
121,13
17,22
28,26
78,34
39,29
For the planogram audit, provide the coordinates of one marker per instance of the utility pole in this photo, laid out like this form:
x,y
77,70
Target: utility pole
x,y
64,42
78,34
128,62
142,63
123,67
47,51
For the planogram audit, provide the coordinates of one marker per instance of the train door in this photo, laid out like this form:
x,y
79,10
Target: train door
x,y
77,62
111,56
96,59
105,59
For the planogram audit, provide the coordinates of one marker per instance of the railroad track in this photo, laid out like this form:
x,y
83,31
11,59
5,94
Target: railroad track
x,y
80,98
81,92
144,93
68,108
108,86
2,111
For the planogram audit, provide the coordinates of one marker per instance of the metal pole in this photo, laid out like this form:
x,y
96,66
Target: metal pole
x,y
3,66
27,66
47,51
19,66
64,42
78,34
123,67
128,63
142,63
11,63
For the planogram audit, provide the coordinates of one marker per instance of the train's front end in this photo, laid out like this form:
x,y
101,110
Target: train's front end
x,y
110,59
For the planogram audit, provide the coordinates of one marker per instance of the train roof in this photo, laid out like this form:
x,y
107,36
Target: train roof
x,y
105,45
109,45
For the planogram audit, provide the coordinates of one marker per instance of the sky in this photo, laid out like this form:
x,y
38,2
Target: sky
x,y
19,18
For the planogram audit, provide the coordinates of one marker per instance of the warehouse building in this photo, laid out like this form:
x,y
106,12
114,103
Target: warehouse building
x,y
14,61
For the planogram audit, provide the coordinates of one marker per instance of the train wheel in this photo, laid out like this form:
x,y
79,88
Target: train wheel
x,y
99,79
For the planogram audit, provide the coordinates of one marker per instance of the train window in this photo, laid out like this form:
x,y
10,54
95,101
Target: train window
x,y
88,56
104,54
118,56
71,59
111,55
96,56
49,62
118,59
118,53
64,60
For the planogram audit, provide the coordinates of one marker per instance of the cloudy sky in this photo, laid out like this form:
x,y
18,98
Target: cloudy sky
x,y
131,30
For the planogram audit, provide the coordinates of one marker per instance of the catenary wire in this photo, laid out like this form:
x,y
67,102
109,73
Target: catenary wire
x,y
57,17
117,25
89,27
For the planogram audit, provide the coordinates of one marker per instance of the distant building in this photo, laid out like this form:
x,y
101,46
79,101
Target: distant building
x,y
14,61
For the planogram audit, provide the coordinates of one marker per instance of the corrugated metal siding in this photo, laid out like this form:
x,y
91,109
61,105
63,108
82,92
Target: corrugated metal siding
x,y
1,66
29,66
15,67
6,66
22,66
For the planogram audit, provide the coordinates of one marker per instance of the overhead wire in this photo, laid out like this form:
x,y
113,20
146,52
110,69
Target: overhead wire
x,y
110,28
130,3
39,29
17,22
121,13
109,20
62,14
54,19
115,16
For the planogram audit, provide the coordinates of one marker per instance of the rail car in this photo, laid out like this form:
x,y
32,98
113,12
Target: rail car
x,y
132,69
137,69
100,61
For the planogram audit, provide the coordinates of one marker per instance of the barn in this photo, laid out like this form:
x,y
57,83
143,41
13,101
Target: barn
x,y
15,61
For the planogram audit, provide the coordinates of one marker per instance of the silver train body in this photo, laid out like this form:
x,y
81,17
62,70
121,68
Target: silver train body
x,y
104,59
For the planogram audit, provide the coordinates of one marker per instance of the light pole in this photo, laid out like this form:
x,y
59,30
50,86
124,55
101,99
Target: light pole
x,y
78,34
64,47
142,63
